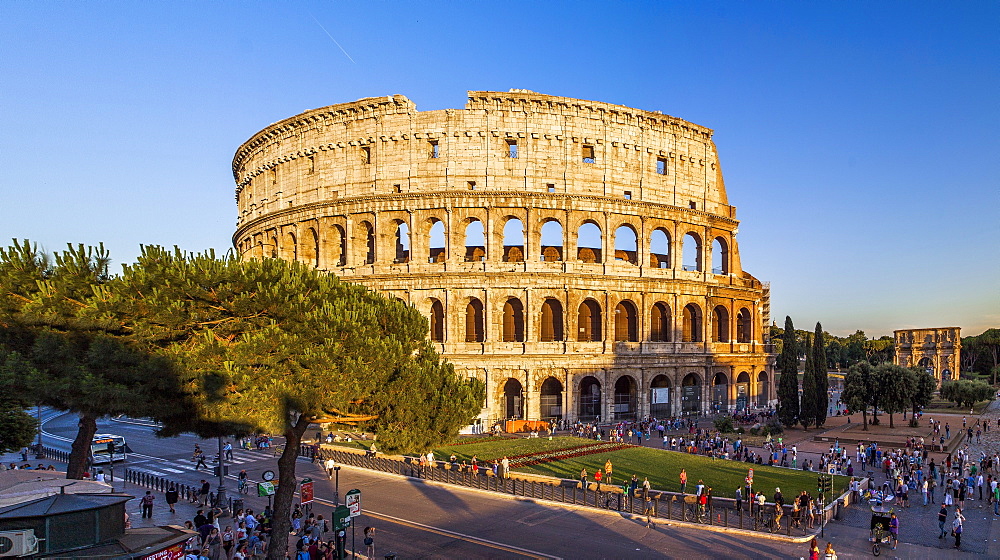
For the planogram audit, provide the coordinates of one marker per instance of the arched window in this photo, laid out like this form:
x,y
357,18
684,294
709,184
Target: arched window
x,y
436,246
475,242
744,326
692,323
364,241
720,316
552,321
691,393
626,322
513,241
626,245
590,398
437,321
659,249
552,241
720,256
691,252
513,321
513,395
763,389
474,327
659,393
402,243
339,246
720,392
659,323
626,402
551,398
292,249
588,244
274,247
589,321
310,247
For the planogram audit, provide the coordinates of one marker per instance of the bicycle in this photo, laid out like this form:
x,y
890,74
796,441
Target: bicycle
x,y
244,486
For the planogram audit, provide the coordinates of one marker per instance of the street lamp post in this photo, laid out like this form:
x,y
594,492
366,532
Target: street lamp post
x,y
336,486
220,495
38,446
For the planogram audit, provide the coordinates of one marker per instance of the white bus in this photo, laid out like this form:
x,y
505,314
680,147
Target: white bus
x,y
99,448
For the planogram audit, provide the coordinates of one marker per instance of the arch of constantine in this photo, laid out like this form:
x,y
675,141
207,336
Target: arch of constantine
x,y
579,257
935,350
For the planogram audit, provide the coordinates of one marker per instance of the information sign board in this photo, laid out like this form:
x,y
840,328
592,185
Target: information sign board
x,y
307,491
265,489
353,502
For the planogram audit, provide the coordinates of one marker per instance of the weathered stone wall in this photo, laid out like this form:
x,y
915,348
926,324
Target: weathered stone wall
x,y
446,208
937,350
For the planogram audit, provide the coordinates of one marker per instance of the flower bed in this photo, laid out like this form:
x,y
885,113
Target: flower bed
x,y
468,441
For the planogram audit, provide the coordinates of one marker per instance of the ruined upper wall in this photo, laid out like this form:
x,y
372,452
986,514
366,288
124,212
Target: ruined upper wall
x,y
383,145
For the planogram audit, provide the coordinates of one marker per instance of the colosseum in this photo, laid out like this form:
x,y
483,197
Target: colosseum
x,y
578,257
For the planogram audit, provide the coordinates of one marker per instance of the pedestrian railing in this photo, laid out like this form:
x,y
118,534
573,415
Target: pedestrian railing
x,y
662,506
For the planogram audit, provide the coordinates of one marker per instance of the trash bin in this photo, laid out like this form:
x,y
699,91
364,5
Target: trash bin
x,y
237,505
838,509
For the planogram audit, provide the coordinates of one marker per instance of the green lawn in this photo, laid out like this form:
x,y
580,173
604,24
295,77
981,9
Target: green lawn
x,y
662,467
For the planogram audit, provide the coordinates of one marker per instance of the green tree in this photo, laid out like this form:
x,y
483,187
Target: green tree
x,y
275,346
989,344
17,427
66,360
788,382
923,385
808,404
966,393
820,376
859,390
894,387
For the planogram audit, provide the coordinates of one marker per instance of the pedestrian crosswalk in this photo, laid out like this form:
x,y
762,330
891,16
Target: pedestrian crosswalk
x,y
165,468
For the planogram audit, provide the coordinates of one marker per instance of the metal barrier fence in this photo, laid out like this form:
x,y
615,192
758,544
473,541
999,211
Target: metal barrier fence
x,y
659,505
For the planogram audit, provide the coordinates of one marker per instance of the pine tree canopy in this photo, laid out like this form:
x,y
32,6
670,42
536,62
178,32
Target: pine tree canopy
x,y
788,383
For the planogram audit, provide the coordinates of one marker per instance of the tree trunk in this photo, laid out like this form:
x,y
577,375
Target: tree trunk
x,y
864,420
79,455
890,421
281,523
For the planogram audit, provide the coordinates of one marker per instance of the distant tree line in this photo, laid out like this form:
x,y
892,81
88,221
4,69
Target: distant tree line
x,y
840,353
981,355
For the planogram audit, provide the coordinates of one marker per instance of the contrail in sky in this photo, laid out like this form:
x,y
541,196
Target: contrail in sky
x,y
332,39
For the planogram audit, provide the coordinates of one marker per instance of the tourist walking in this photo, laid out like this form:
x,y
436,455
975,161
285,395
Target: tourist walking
x,y
957,527
171,498
684,480
147,505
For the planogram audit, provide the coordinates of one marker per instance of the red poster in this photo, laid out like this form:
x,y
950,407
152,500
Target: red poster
x,y
175,552
307,492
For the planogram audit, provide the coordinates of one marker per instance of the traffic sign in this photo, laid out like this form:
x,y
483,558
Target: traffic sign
x,y
353,502
265,489
307,490
341,518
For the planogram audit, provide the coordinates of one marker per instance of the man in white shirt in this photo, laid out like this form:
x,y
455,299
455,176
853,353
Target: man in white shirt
x,y
328,465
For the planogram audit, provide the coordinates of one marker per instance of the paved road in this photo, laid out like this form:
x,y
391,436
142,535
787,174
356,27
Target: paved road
x,y
417,519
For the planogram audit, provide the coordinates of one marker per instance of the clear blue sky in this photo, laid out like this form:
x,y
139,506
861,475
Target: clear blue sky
x,y
859,140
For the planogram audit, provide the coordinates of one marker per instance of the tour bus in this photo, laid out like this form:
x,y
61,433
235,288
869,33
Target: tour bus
x,y
99,448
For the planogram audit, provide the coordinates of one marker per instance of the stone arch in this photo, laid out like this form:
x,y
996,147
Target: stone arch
x,y
551,327
720,392
475,241
513,240
401,252
720,256
291,248
310,247
691,394
626,403
626,322
626,244
589,321
437,239
692,323
550,398
590,398
659,398
742,391
364,242
691,252
513,320
274,246
437,320
513,396
589,242
763,389
475,327
551,244
659,322
339,245
744,326
720,318
659,248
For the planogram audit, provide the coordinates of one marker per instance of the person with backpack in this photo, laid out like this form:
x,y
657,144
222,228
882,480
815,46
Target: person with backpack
x,y
370,542
147,505
171,498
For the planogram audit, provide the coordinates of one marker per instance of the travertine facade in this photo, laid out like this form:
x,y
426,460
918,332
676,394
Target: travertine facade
x,y
936,350
542,236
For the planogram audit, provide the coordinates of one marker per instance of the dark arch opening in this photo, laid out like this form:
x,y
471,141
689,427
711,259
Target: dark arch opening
x,y
551,398
626,401
590,398
589,321
552,321
513,395
513,321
